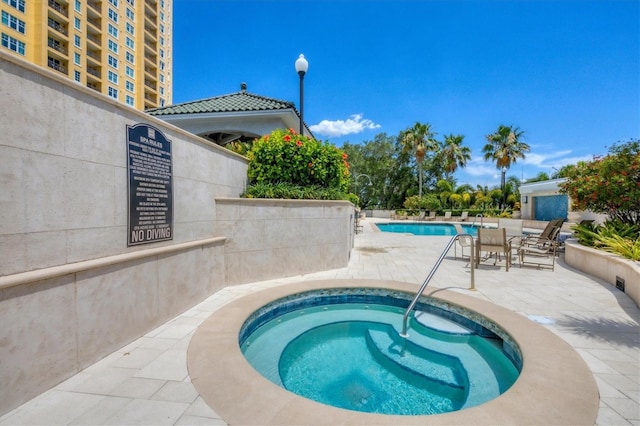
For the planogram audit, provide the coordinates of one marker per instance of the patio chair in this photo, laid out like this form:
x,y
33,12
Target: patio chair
x,y
462,242
432,215
447,215
493,241
533,252
514,230
541,239
464,216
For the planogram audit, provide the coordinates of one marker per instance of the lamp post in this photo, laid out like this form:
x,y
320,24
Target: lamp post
x,y
301,67
355,182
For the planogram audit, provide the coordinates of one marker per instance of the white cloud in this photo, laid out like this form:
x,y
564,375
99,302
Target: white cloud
x,y
353,124
554,160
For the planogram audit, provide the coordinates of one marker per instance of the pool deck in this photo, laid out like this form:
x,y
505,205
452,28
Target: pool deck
x,y
148,382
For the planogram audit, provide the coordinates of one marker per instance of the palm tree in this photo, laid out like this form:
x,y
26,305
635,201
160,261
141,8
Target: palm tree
x,y
419,139
505,147
453,153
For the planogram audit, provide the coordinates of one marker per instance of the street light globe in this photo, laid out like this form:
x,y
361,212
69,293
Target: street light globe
x,y
302,65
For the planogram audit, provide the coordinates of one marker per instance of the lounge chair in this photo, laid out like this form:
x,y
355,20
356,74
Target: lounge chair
x,y
546,234
462,242
493,241
464,216
432,215
541,248
447,215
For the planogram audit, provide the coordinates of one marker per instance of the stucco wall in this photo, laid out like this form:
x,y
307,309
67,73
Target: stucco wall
x,y
282,238
64,172
71,291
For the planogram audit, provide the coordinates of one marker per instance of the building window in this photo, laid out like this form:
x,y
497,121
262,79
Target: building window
x,y
162,16
130,100
162,65
161,28
161,53
114,3
161,102
76,59
130,29
113,15
112,61
129,72
113,92
113,30
76,76
113,46
78,6
130,86
161,91
12,44
162,4
130,58
112,77
16,4
130,44
161,78
131,2
77,42
131,15
13,22
161,41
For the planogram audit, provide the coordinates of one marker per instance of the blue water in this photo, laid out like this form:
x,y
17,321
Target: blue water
x,y
425,228
351,356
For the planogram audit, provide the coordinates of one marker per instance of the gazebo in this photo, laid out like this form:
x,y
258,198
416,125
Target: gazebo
x,y
239,116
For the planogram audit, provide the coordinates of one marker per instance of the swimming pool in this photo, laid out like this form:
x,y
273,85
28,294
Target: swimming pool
x,y
432,229
342,347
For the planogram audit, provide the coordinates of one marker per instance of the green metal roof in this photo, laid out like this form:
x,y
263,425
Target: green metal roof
x,y
234,102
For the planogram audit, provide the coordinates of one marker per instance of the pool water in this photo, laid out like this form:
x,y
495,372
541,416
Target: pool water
x,y
432,229
350,355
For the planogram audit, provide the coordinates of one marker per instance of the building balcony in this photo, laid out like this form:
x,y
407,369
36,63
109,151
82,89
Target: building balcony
x,y
95,72
57,26
58,46
96,6
57,65
61,9
150,84
95,23
150,13
95,39
94,57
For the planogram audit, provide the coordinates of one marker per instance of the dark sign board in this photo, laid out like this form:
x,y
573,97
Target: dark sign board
x,y
150,171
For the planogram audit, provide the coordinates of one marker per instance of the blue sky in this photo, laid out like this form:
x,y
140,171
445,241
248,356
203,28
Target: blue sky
x,y
567,73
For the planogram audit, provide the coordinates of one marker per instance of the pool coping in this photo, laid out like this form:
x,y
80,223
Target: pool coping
x,y
554,387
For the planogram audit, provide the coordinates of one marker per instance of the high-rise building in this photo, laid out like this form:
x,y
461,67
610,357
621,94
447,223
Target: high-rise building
x,y
121,48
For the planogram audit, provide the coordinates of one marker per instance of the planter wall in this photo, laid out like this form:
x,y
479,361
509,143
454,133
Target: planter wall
x,y
607,266
270,238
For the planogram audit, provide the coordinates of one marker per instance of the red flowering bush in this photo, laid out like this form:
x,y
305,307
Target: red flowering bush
x,y
286,157
609,185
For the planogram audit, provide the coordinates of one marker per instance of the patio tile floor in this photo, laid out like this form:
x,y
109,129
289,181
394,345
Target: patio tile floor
x,y
147,381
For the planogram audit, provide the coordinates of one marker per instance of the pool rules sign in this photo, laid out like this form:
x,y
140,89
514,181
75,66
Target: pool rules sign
x,y
150,185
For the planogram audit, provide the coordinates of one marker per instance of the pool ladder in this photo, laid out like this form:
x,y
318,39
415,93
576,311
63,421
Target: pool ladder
x,y
481,216
412,305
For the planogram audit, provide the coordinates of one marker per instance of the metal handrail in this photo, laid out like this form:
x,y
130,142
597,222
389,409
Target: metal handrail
x,y
433,271
481,216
